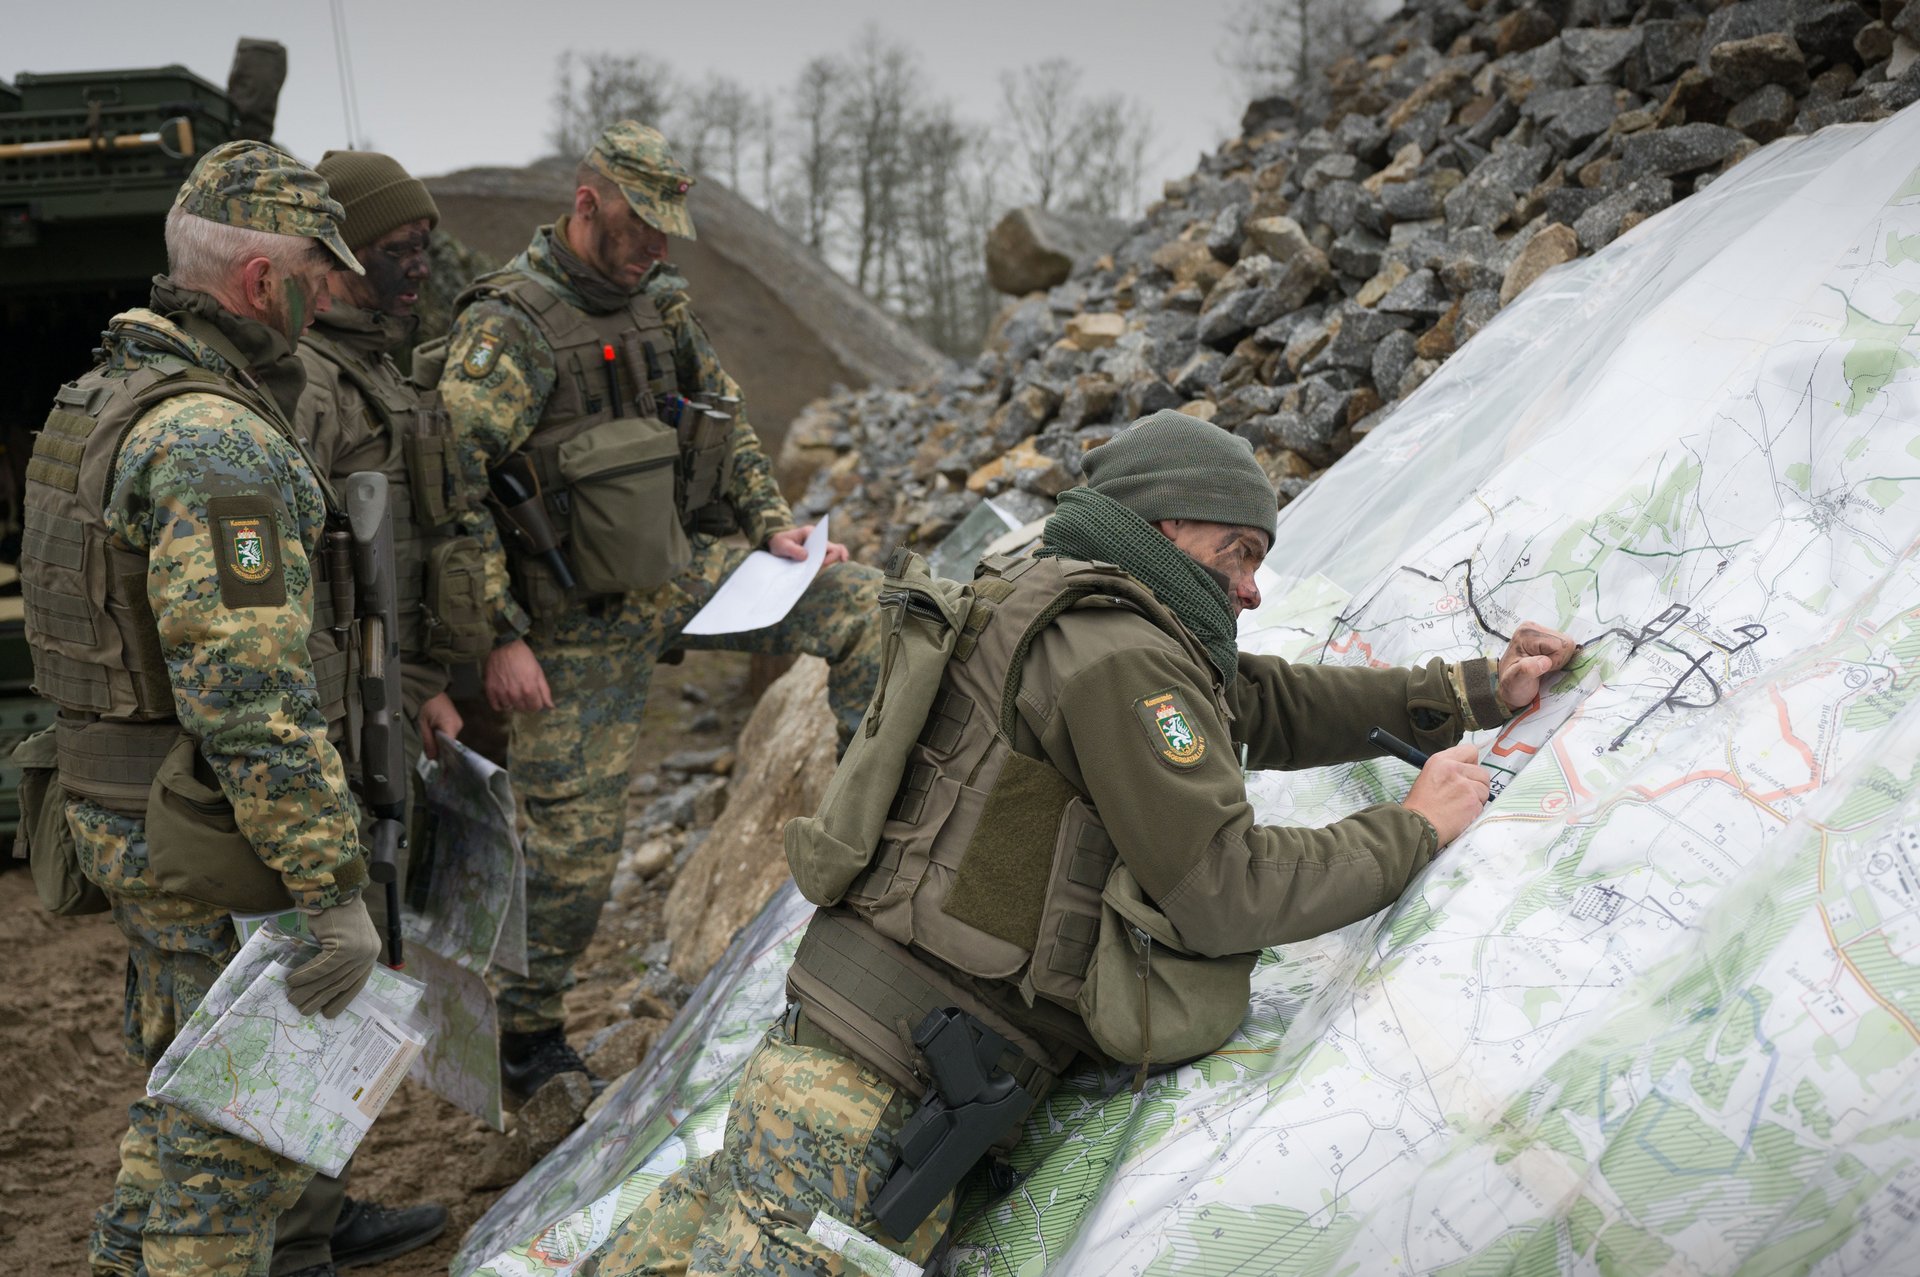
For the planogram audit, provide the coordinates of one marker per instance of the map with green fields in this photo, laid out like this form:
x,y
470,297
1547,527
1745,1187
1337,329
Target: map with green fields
x,y
1658,1009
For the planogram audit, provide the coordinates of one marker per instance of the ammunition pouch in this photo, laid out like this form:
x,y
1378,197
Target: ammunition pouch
x,y
459,631
433,471
706,464
45,838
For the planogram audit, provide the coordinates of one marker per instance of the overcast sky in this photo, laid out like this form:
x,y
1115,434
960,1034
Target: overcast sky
x,y
445,86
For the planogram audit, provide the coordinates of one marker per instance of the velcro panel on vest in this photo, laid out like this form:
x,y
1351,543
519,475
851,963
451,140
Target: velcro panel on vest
x,y
63,616
1001,886
76,684
59,540
58,450
910,800
947,719
112,763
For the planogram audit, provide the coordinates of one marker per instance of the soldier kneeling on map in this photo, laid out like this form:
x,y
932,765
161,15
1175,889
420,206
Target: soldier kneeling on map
x,y
1039,845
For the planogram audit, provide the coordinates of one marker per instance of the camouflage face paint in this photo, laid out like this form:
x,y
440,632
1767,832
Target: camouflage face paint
x,y
298,315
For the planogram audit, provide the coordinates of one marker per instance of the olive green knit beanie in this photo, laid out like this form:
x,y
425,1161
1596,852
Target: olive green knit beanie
x,y
1172,466
376,192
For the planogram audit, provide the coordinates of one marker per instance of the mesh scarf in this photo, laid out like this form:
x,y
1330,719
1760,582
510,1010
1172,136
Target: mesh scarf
x,y
1088,525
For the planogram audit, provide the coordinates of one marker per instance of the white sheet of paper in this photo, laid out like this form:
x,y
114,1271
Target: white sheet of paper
x,y
762,590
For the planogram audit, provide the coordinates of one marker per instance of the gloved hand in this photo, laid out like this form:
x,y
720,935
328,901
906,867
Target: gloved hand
x,y
349,946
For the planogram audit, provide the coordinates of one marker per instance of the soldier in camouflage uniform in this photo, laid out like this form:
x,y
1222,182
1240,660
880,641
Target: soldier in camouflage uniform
x,y
170,568
590,326
359,412
1106,886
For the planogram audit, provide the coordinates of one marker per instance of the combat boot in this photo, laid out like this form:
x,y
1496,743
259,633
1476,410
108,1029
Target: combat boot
x,y
368,1232
528,1061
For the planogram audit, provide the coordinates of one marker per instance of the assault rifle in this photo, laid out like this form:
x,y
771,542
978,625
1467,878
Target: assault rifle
x,y
383,750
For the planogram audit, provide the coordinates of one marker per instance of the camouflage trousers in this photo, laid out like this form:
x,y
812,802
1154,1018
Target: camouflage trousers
x,y
810,1133
190,1198
571,763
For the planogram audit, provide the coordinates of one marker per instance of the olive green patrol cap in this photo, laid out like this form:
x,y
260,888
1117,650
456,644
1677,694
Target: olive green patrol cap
x,y
636,159
262,188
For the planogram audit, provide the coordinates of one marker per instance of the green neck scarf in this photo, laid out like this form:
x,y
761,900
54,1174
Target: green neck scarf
x,y
1088,525
248,345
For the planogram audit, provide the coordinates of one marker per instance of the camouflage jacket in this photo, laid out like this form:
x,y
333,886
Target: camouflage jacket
x,y
495,413
241,678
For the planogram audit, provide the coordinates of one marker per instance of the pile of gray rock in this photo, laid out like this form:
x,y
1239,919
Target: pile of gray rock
x,y
1321,265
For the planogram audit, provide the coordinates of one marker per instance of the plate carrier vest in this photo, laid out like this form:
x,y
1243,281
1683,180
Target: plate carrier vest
x,y
96,651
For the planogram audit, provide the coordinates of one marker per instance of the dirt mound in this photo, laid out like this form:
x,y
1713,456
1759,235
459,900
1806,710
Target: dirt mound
x,y
786,326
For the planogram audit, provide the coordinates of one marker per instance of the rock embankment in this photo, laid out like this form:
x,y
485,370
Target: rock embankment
x,y
1320,266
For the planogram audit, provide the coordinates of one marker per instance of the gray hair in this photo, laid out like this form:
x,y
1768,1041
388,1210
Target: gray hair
x,y
206,255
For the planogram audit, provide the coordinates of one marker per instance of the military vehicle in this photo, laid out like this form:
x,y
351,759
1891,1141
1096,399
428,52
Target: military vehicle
x,y
89,163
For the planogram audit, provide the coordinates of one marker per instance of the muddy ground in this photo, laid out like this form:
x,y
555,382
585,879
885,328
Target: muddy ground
x,y
66,1080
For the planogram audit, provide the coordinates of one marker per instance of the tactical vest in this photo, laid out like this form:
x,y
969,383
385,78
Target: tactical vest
x,y
642,484
440,577
96,651
993,875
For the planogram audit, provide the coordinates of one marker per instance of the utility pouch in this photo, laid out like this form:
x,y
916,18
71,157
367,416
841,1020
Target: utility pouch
x,y
458,629
625,529
923,617
194,846
1147,1000
431,469
45,838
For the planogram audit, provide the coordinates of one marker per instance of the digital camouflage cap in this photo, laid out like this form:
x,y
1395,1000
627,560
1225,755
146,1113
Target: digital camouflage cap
x,y
636,159
262,188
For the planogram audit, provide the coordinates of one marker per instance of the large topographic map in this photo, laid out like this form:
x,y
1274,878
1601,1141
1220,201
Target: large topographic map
x,y
1658,1010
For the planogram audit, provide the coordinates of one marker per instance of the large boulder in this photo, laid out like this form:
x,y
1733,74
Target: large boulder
x,y
786,757
1031,249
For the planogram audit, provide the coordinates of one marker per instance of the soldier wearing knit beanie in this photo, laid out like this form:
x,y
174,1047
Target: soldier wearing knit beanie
x,y
376,193
358,413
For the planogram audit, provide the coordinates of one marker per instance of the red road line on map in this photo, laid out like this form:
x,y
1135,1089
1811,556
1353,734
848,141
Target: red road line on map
x,y
1786,730
1504,750
1354,640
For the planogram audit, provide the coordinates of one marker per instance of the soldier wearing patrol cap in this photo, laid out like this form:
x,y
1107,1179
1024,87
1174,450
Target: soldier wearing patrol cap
x,y
1053,856
584,394
175,599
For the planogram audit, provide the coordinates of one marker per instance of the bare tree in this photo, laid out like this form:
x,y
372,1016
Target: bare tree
x,y
878,87
1038,110
819,155
1072,152
717,128
767,134
1115,135
1275,46
937,146
592,90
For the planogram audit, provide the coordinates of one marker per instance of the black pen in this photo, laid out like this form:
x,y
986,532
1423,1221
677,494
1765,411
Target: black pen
x,y
1389,743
